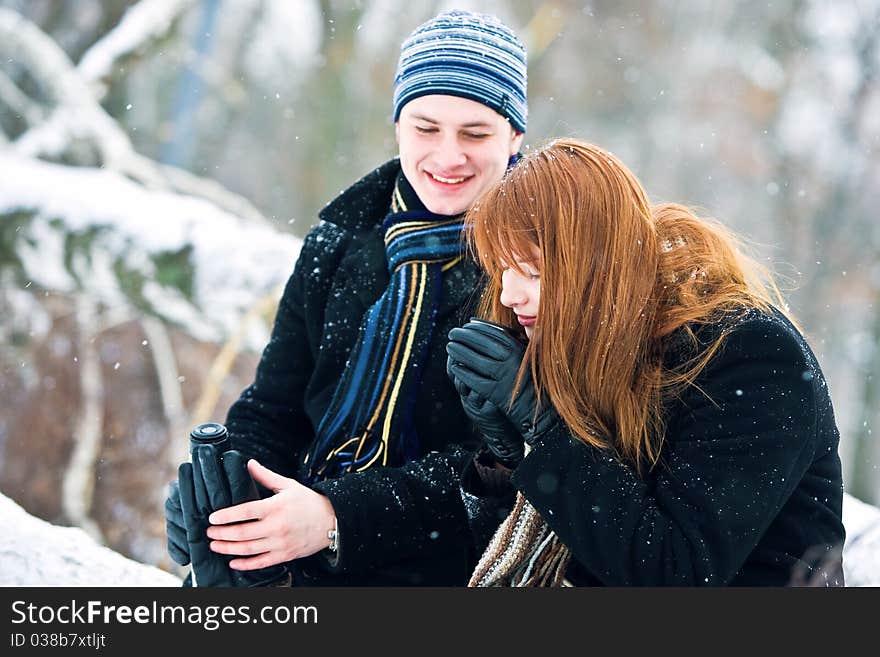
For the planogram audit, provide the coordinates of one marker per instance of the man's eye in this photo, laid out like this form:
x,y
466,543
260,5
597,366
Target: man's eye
x,y
425,130
476,135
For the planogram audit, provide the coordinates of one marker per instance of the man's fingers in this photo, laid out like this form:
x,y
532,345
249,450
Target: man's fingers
x,y
261,561
241,548
239,532
213,476
203,502
266,477
187,491
172,502
238,513
241,485
177,553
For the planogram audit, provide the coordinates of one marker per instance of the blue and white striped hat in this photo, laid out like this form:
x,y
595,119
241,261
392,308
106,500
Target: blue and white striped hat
x,y
461,53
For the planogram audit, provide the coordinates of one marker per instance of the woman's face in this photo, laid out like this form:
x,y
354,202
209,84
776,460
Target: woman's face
x,y
521,292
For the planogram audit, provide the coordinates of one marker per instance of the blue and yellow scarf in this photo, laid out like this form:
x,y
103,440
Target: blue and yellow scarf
x,y
370,418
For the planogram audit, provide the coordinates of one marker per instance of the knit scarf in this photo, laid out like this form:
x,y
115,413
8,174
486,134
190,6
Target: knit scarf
x,y
523,552
370,418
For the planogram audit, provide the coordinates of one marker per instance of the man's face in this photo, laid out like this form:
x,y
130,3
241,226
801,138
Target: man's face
x,y
453,149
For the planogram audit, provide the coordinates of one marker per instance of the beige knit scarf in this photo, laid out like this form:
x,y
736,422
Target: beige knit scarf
x,y
523,552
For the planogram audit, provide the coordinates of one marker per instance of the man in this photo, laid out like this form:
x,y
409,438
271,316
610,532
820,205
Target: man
x,y
351,419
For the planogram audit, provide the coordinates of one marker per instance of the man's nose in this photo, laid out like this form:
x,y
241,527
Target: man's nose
x,y
450,153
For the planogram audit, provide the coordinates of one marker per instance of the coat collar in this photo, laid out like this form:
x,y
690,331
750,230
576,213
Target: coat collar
x,y
361,209
366,202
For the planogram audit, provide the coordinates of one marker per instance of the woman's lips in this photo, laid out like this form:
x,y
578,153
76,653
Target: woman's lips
x,y
526,320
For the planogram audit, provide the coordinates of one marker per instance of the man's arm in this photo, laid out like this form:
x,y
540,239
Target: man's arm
x,y
268,422
393,513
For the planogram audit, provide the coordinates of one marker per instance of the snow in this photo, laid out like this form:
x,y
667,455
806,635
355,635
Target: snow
x,y
287,39
861,550
235,262
141,22
834,21
37,553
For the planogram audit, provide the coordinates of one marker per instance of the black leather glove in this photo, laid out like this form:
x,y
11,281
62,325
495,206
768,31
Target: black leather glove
x,y
211,482
487,360
175,528
501,437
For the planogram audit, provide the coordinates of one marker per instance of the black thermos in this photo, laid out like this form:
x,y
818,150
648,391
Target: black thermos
x,y
210,433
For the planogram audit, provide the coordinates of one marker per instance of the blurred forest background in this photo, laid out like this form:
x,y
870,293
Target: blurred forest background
x,y
160,161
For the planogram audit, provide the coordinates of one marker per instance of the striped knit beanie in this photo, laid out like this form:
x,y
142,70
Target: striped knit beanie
x,y
461,53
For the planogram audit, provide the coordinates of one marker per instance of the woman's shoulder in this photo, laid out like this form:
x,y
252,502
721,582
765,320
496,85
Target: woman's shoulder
x,y
746,333
757,333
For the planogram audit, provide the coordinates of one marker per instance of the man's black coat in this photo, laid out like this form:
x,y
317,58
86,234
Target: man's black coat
x,y
404,525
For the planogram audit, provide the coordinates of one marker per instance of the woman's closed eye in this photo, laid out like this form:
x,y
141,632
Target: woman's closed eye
x,y
529,270
524,268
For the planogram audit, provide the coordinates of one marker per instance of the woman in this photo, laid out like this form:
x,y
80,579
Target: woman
x,y
665,423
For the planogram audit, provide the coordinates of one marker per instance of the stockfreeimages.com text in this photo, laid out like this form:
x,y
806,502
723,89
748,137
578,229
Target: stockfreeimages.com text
x,y
211,617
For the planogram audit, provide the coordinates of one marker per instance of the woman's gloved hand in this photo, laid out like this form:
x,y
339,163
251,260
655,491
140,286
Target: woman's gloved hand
x,y
486,359
501,437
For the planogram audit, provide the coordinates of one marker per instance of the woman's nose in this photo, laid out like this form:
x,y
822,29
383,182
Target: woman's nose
x,y
511,292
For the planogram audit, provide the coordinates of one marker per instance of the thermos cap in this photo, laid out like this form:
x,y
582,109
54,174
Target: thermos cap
x,y
208,433
500,327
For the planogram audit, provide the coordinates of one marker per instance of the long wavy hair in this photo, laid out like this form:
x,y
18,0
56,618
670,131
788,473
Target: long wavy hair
x,y
618,277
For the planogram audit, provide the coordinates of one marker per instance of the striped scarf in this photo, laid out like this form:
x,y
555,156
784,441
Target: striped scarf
x,y
523,552
370,418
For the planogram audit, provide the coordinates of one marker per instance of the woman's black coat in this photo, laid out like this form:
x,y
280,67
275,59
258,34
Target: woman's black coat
x,y
397,525
749,489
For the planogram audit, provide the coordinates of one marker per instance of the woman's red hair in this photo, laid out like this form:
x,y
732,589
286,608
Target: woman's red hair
x,y
618,276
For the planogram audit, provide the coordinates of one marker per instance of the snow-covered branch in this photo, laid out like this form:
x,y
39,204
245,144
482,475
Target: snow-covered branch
x,y
19,102
165,363
79,478
224,360
76,117
146,21
172,256
184,182
76,114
